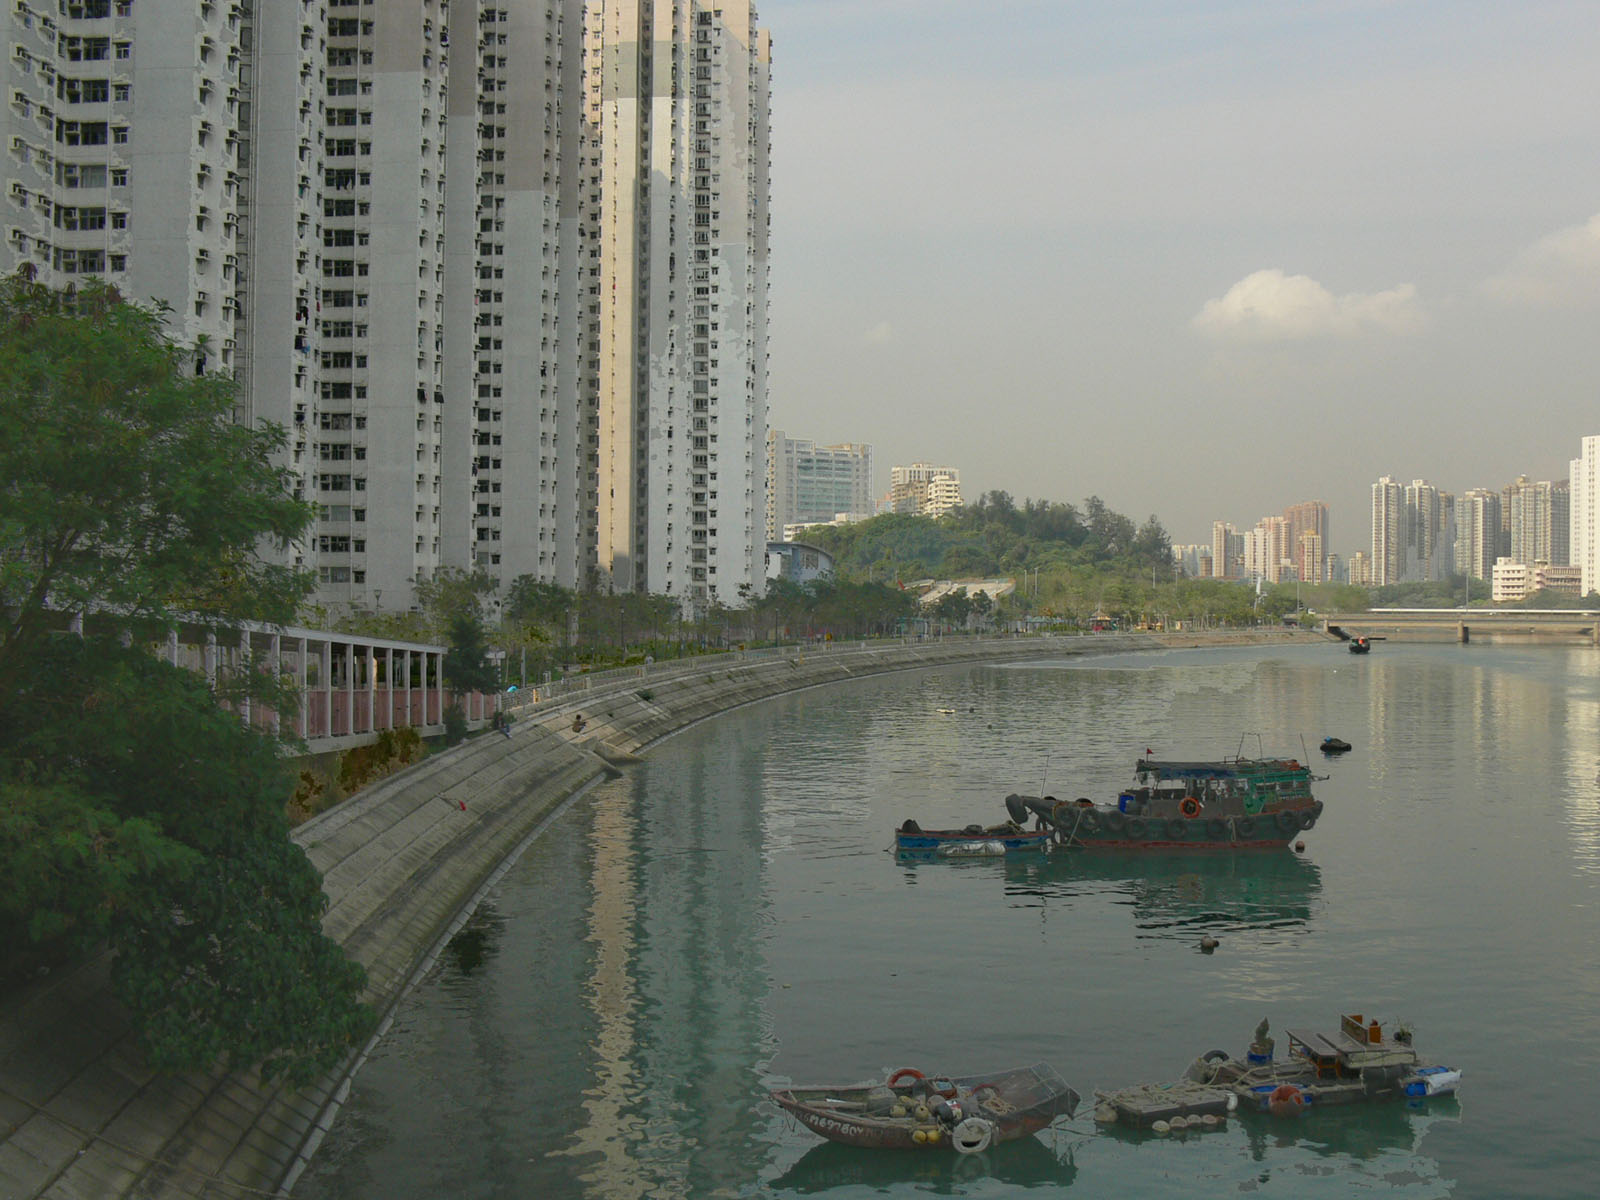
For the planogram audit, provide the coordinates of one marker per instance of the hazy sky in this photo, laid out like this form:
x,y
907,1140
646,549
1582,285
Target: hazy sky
x,y
1201,259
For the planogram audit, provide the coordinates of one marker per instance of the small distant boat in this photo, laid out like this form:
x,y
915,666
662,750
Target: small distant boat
x,y
1333,745
1358,1063
912,1111
971,841
1360,645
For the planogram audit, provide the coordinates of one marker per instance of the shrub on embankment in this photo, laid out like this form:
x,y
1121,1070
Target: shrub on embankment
x,y
326,779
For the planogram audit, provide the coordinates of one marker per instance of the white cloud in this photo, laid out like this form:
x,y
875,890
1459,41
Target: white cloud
x,y
880,334
1557,271
1269,306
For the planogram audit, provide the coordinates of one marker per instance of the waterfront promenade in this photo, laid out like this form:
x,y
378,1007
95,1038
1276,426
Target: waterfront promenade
x,y
404,864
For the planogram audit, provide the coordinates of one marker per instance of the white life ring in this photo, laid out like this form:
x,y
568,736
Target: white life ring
x,y
972,1136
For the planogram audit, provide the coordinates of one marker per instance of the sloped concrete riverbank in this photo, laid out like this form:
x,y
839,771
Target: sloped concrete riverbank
x,y
404,864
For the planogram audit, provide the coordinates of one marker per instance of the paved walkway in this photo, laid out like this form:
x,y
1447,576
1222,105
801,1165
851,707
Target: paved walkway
x,y
403,865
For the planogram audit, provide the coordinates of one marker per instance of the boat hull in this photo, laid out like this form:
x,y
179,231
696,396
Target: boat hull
x,y
1015,1104
952,842
1103,828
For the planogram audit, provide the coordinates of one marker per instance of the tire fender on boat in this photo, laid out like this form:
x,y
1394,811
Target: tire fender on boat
x,y
1112,822
1288,821
1135,827
1307,819
1177,828
1216,828
1088,821
1244,826
972,1135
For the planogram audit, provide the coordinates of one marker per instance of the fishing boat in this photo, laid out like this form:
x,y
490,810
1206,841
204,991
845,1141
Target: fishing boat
x,y
1333,745
1229,804
1360,645
971,841
913,1111
1360,1062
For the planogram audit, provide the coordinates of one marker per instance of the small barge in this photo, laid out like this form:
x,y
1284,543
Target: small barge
x,y
1357,1064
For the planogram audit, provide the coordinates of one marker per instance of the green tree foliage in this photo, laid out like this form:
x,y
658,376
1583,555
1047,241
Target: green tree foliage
x,y
450,594
1444,593
139,811
125,485
829,606
466,666
135,810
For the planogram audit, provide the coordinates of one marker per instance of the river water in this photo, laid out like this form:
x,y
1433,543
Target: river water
x,y
726,919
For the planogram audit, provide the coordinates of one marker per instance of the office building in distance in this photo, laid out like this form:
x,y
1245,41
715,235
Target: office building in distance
x,y
808,484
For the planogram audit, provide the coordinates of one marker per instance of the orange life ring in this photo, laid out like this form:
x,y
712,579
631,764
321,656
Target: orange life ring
x,y
904,1072
1190,807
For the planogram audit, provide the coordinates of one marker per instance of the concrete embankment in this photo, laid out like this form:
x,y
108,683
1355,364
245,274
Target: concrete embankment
x,y
404,863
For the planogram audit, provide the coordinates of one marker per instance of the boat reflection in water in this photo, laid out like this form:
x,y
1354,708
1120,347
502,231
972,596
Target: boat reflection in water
x,y
1026,1162
1353,1131
1175,895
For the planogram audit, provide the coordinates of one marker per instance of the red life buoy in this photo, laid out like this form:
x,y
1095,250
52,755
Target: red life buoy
x,y
1190,807
903,1073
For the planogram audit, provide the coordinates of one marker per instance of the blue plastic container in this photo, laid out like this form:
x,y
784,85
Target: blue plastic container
x,y
1123,801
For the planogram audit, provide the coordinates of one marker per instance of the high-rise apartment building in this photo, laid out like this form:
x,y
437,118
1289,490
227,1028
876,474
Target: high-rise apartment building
x,y
1477,532
1560,523
1429,532
1358,570
1266,550
1227,551
517,285
812,484
924,489
498,266
677,114
1311,561
1389,527
1309,517
1585,538
1535,518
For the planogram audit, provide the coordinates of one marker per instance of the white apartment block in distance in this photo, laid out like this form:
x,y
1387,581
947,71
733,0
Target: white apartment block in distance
x,y
1585,514
808,484
676,290
924,489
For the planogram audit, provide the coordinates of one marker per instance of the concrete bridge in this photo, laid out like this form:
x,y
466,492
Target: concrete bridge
x,y
404,864
1563,626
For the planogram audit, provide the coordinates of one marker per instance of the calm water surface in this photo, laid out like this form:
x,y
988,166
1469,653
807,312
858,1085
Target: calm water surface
x,y
726,919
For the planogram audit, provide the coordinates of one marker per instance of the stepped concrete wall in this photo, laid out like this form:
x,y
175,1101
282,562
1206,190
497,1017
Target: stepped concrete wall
x,y
404,862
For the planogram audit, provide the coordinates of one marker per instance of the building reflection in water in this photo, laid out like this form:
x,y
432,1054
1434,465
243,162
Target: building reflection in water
x,y
678,985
